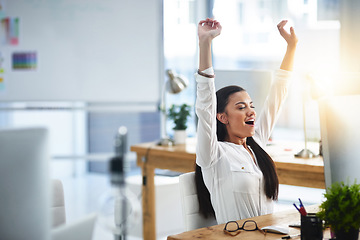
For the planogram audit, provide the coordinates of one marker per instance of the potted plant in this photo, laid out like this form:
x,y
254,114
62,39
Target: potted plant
x,y
341,210
179,114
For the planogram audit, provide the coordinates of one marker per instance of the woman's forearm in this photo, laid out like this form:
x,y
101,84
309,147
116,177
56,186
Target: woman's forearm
x,y
288,60
207,30
205,60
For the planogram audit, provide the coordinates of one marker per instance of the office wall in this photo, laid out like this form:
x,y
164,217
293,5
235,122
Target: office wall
x,y
85,50
103,126
67,134
256,82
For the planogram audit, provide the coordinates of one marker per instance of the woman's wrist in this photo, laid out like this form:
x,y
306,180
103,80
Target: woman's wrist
x,y
291,47
205,41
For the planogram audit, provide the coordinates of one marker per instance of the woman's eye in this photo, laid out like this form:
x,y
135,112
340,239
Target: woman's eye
x,y
252,106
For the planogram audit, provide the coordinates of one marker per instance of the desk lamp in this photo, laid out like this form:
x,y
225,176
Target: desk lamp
x,y
316,91
305,153
175,84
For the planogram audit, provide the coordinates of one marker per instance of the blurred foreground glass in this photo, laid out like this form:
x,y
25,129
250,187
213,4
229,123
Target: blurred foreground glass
x,y
119,207
119,211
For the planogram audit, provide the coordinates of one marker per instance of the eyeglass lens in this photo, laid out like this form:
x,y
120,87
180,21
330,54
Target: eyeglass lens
x,y
232,226
249,226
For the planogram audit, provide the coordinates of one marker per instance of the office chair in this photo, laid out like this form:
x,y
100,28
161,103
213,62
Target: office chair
x,y
190,205
58,203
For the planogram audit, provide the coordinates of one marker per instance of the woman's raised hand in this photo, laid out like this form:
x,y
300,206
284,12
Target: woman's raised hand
x,y
208,29
291,37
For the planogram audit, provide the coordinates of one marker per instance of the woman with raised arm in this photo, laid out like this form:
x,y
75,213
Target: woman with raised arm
x,y
235,177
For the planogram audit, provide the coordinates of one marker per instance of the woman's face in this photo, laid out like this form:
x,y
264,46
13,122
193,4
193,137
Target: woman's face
x,y
240,116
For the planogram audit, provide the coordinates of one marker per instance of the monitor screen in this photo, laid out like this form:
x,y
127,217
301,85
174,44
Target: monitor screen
x,y
340,135
24,184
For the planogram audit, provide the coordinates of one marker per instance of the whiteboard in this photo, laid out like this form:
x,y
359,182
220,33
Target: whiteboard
x,y
86,50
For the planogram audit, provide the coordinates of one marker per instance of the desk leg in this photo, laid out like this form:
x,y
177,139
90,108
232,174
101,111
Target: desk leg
x,y
148,202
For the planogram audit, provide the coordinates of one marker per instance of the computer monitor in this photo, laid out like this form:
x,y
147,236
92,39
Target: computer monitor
x,y
24,184
340,135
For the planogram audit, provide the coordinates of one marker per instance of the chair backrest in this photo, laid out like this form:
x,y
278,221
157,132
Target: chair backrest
x,y
190,205
58,203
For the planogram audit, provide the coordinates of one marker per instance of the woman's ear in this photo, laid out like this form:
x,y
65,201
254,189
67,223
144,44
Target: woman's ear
x,y
222,118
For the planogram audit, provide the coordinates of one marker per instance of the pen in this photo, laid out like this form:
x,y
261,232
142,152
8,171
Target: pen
x,y
301,204
302,208
290,236
296,207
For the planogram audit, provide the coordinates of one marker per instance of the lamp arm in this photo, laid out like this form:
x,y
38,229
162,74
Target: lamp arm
x,y
304,120
163,113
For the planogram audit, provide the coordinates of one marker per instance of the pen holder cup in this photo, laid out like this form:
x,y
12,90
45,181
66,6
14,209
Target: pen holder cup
x,y
311,227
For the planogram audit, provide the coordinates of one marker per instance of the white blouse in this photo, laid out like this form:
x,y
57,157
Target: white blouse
x,y
234,181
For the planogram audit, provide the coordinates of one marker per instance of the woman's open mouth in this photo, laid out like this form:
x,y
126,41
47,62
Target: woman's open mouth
x,y
251,122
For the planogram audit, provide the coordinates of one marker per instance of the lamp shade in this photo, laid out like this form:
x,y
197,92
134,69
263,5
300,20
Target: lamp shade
x,y
176,83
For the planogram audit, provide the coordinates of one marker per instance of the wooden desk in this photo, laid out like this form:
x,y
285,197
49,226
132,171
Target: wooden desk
x,y
283,219
181,158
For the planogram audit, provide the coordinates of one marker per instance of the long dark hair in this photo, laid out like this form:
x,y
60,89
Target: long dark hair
x,y
265,162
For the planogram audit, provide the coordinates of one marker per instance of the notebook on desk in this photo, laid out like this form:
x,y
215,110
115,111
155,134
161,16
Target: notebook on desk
x,y
276,229
80,230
